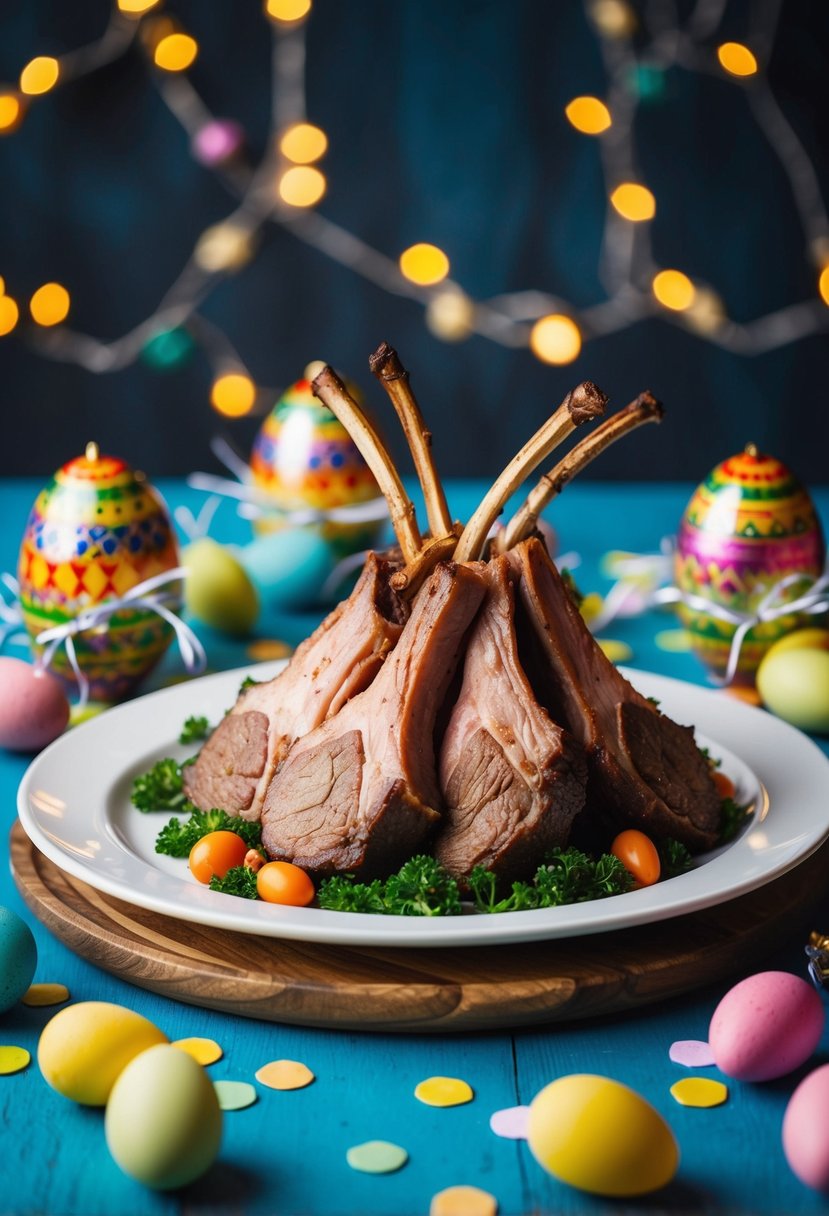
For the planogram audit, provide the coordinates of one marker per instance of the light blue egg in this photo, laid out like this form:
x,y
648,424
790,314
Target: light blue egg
x,y
289,567
18,958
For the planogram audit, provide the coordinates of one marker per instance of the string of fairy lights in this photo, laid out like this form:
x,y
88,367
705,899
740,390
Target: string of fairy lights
x,y
285,188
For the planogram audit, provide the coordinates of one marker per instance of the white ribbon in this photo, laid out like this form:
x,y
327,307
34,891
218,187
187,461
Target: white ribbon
x,y
140,596
10,614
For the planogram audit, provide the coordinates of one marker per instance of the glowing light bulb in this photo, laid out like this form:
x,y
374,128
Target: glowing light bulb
x,y
135,8
302,186
175,52
303,143
287,10
823,285
223,247
2,286
673,290
9,313
39,75
707,313
450,315
233,394
613,18
588,115
555,339
11,113
633,202
424,264
737,59
50,304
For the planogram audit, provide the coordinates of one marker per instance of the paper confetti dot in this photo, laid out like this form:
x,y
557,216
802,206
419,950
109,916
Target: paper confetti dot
x,y
675,641
377,1157
13,1059
693,1053
443,1091
284,1074
617,652
463,1201
750,695
511,1123
203,1051
267,648
45,994
234,1095
699,1091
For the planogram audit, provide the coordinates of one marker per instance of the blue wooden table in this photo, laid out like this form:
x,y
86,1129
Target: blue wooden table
x,y
286,1155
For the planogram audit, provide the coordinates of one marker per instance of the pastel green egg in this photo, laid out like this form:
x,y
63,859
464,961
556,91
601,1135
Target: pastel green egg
x,y
84,1048
217,590
794,684
18,958
600,1136
163,1122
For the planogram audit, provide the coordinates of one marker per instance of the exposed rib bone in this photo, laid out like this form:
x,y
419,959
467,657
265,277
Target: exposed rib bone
x,y
644,409
581,403
409,580
331,391
386,366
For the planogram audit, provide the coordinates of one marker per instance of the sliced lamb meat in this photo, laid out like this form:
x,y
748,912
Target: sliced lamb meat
x,y
512,780
338,660
644,769
359,793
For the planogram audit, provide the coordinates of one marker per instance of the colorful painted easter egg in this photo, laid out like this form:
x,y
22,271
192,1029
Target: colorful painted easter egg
x,y
748,526
95,532
304,458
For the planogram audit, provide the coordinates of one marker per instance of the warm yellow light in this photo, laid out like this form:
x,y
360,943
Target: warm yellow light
x,y
223,247
588,115
673,289
303,143
424,264
9,312
555,339
450,315
134,8
50,304
737,59
11,112
823,285
2,286
707,314
302,186
634,202
287,10
39,75
175,52
613,18
233,394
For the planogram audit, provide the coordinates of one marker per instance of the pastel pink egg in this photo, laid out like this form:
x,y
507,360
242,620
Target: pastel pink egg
x,y
765,1026
806,1130
33,706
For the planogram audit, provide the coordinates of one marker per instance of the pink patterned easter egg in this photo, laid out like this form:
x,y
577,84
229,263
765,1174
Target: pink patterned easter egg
x,y
748,526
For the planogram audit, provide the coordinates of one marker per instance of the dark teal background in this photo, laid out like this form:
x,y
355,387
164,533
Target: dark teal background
x,y
446,123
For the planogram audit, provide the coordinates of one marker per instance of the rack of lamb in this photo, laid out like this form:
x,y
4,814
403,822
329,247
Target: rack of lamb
x,y
456,702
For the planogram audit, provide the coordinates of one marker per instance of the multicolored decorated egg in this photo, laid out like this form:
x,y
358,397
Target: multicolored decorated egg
x,y
304,458
95,532
748,526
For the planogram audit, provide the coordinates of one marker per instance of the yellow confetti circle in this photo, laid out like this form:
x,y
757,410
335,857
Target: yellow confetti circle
x,y
463,1201
617,652
46,994
13,1059
268,648
443,1091
203,1051
675,641
284,1074
699,1091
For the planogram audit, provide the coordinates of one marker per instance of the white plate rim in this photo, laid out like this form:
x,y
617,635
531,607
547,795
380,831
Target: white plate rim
x,y
72,805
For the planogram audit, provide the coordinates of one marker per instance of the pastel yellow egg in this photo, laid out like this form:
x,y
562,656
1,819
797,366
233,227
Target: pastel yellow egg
x,y
85,1047
217,590
811,639
600,1136
163,1122
794,684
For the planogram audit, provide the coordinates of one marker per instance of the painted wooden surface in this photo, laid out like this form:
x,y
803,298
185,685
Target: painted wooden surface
x,y
285,1156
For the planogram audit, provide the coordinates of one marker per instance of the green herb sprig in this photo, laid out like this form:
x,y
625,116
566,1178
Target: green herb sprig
x,y
178,836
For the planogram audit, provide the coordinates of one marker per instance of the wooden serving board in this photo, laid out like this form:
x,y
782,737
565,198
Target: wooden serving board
x,y
479,988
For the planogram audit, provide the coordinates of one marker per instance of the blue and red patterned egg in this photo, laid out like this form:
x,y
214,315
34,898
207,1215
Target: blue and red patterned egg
x,y
95,532
748,526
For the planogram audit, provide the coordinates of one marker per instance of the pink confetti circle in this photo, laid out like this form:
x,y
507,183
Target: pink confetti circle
x,y
510,1123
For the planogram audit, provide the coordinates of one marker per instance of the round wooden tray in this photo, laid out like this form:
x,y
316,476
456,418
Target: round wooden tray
x,y
357,988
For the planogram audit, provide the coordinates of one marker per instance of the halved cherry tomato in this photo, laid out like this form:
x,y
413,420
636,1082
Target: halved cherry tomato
x,y
216,853
725,786
638,855
281,882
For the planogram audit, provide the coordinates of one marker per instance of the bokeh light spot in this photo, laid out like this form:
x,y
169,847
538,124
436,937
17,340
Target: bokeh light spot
x,y
233,394
673,290
737,59
303,143
588,115
633,202
302,186
39,75
424,264
555,339
175,52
